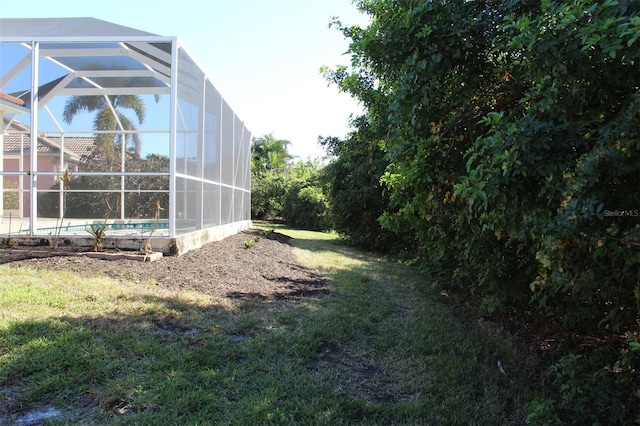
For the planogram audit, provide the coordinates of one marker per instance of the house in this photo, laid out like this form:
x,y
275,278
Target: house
x,y
11,104
16,157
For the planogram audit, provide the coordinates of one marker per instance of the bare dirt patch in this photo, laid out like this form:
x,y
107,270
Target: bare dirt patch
x,y
224,268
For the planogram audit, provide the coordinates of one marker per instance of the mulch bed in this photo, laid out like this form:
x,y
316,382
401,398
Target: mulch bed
x,y
222,269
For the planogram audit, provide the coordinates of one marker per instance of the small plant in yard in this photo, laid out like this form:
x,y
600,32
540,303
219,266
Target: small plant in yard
x,y
98,230
9,242
251,242
146,248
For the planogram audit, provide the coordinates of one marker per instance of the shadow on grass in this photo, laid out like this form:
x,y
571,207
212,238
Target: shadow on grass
x,y
163,360
371,352
170,361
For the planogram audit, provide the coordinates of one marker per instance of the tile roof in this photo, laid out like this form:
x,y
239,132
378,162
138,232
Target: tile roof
x,y
11,99
13,140
75,145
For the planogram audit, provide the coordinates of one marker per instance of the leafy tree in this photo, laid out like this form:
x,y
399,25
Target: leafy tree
x,y
267,194
305,204
105,156
106,145
269,153
138,204
269,157
433,83
497,113
280,189
512,137
356,197
568,151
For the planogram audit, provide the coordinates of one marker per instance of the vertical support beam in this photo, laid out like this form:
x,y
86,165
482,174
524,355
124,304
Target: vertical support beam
x,y
33,153
220,160
233,167
21,178
201,131
123,149
60,183
248,175
173,115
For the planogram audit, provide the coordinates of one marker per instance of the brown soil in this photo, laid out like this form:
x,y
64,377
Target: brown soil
x,y
224,268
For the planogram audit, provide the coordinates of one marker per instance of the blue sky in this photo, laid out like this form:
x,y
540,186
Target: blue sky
x,y
263,56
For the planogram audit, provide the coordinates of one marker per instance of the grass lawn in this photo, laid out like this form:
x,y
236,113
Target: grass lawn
x,y
381,347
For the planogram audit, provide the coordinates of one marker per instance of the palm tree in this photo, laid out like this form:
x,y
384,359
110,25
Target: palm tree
x,y
105,149
269,153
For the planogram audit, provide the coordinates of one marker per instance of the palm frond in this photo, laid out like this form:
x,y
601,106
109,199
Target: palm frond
x,y
132,102
105,149
77,104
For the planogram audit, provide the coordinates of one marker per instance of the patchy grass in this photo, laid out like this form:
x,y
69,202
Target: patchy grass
x,y
379,348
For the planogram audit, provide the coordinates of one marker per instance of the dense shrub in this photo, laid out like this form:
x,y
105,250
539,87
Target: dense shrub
x,y
285,189
267,194
10,196
305,205
592,390
512,137
356,197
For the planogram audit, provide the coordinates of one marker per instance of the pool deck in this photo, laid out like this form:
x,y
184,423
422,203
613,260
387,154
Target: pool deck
x,y
120,234
79,227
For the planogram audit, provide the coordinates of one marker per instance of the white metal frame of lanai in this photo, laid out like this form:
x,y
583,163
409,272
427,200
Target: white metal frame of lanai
x,y
159,64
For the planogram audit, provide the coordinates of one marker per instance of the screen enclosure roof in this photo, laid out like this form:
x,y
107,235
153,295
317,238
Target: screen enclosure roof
x,y
39,28
93,57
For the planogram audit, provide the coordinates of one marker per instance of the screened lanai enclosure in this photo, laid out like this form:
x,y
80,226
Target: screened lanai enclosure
x,y
107,125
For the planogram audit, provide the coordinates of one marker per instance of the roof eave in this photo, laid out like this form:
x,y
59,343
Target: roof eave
x,y
12,108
